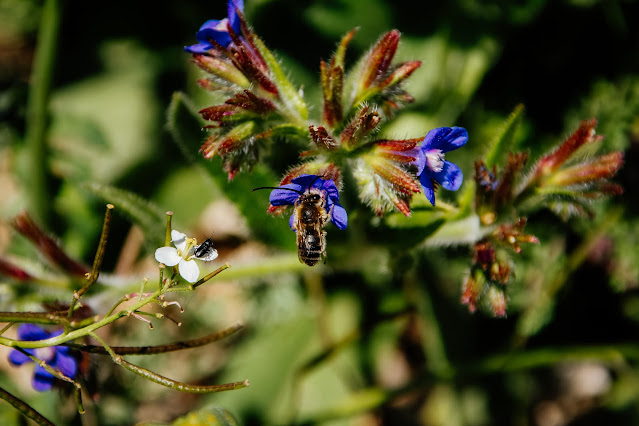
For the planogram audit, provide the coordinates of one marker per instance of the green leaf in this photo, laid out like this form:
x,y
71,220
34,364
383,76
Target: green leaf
x,y
414,230
150,217
207,416
505,139
463,231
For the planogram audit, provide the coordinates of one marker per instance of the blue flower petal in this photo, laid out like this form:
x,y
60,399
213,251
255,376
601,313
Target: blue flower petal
x,y
282,197
308,181
339,216
233,6
420,161
219,34
450,177
31,332
291,222
200,48
427,186
67,364
18,358
445,139
331,189
42,380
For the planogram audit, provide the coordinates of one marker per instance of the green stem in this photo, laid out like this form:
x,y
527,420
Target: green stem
x,y
81,332
165,381
24,408
160,349
42,318
97,261
37,114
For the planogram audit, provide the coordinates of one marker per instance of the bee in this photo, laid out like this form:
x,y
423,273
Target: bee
x,y
205,251
309,217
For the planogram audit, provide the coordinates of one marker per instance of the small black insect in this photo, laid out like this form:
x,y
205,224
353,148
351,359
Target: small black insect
x,y
205,251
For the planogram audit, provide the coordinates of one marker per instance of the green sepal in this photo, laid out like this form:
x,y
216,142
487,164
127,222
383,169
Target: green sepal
x,y
289,94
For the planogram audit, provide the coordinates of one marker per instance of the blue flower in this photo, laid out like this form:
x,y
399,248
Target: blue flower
x,y
217,30
55,356
432,167
290,194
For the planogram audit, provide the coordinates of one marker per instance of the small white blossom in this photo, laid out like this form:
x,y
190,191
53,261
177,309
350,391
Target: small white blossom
x,y
183,255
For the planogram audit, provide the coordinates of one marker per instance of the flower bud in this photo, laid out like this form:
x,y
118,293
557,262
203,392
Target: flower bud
x,y
362,125
472,289
8,269
497,301
383,175
47,246
222,69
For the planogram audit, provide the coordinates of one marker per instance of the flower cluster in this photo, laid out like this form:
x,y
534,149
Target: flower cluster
x,y
264,106
57,357
491,269
565,180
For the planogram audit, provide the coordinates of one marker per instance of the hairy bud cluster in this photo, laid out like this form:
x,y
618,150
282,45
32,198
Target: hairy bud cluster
x,y
263,105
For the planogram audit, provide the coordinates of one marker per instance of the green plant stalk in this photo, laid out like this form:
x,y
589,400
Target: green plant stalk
x,y
160,349
165,381
43,318
97,261
53,371
24,408
37,114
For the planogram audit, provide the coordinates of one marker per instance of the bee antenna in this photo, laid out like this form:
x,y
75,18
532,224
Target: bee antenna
x,y
273,187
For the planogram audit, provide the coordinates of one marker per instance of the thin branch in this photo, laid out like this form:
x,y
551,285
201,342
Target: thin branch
x,y
159,349
25,408
165,381
97,261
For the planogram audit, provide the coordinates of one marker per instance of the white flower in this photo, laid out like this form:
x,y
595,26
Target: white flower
x,y
185,250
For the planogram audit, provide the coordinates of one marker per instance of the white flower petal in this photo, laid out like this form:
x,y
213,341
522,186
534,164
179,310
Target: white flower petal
x,y
167,255
179,239
189,270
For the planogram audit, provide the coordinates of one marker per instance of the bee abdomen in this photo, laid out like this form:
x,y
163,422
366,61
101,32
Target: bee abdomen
x,y
311,248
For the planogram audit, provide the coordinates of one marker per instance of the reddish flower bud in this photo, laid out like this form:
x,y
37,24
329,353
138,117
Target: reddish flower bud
x,y
360,127
513,235
10,270
583,135
379,59
492,193
321,138
497,301
376,79
598,168
472,290
47,246
332,80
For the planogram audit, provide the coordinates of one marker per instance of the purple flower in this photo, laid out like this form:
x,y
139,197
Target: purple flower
x,y
292,193
55,356
217,30
432,167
